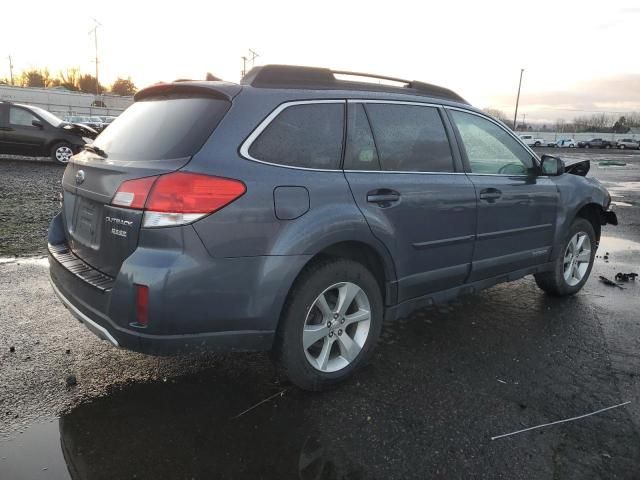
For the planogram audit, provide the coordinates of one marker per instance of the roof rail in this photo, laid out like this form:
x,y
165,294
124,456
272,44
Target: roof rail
x,y
291,76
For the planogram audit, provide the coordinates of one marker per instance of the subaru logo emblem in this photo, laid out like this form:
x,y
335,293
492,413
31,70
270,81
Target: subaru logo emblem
x,y
80,177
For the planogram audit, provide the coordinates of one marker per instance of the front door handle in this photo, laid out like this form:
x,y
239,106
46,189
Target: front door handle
x,y
490,194
383,197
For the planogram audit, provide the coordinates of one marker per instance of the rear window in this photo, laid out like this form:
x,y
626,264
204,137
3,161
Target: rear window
x,y
158,128
307,136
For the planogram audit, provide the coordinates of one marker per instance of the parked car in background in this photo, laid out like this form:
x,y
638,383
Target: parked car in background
x,y
564,143
597,143
297,211
33,131
91,121
628,143
531,140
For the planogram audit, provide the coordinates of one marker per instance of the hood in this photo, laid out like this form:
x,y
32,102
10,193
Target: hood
x,y
79,129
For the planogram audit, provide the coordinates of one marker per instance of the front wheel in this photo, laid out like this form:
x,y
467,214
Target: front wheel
x,y
61,153
572,264
330,325
621,147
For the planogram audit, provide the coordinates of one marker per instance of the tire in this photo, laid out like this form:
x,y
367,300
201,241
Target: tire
x,y
537,144
325,361
587,146
621,147
607,147
556,282
61,152
572,146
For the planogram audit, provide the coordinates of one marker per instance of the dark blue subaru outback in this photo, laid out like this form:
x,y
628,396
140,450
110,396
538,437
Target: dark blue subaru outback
x,y
297,210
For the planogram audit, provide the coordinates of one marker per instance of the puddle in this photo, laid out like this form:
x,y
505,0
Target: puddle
x,y
623,186
34,454
614,244
185,429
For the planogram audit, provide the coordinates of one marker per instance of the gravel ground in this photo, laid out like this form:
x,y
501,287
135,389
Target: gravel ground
x,y
29,198
440,385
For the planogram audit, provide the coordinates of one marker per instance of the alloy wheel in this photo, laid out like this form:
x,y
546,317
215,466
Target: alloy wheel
x,y
577,257
63,154
337,327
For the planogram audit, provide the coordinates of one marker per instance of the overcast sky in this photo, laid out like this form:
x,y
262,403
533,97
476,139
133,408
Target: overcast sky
x,y
577,55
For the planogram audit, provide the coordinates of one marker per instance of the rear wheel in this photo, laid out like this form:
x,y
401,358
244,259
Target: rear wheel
x,y
573,263
621,147
331,323
61,153
587,146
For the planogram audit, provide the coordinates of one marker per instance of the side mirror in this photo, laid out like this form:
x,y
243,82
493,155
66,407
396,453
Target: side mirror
x,y
552,166
37,123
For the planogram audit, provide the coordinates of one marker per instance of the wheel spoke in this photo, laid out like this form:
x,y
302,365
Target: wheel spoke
x,y
313,333
346,294
323,359
573,243
324,307
580,241
359,316
348,348
568,272
576,272
584,256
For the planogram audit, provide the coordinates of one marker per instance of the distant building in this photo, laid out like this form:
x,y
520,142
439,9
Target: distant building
x,y
65,102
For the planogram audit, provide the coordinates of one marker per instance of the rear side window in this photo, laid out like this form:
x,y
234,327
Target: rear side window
x,y
410,138
360,153
174,126
308,135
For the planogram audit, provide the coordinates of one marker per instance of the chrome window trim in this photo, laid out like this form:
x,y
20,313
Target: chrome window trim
x,y
404,171
246,145
501,126
394,102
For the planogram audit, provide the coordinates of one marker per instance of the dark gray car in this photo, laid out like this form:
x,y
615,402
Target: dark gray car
x,y
295,211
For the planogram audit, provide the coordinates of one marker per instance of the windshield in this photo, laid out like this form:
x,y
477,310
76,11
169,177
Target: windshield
x,y
47,116
158,128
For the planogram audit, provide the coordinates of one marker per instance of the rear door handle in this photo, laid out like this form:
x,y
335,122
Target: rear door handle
x,y
383,197
490,194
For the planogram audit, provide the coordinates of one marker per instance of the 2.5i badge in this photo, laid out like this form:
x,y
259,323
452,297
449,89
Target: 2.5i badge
x,y
117,226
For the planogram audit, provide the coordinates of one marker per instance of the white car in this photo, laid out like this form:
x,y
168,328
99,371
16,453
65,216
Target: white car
x,y
565,143
531,141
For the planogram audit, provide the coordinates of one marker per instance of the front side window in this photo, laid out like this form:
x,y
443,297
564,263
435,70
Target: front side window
x,y
21,117
410,138
490,149
308,135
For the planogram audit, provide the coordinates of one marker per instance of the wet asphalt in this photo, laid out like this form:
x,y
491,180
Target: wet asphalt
x,y
440,385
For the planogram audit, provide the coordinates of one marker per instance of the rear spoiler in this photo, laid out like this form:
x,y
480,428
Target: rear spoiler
x,y
219,90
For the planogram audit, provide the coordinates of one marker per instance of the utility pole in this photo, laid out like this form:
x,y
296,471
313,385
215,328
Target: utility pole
x,y
11,70
244,66
244,58
94,31
515,116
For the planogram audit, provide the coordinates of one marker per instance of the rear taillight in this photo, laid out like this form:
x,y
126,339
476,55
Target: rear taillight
x,y
177,198
133,193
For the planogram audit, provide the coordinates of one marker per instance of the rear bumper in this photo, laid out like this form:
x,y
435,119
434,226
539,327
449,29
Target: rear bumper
x,y
105,329
195,301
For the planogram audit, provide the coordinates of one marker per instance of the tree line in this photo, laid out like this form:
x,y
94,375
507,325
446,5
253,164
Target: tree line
x,y
71,79
597,122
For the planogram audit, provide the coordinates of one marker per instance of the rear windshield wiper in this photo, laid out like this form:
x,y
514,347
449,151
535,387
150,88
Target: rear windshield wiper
x,y
96,150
